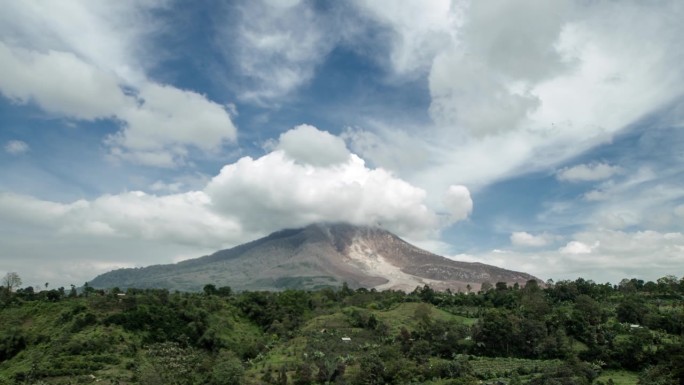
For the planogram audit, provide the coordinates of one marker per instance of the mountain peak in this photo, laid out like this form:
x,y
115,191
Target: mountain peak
x,y
318,255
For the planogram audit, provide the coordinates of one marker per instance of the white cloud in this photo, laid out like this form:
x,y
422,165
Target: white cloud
x,y
247,199
16,147
308,145
60,83
63,84
162,186
466,97
600,255
617,218
485,84
276,192
276,47
636,198
679,211
283,3
515,87
458,203
422,30
380,147
180,218
187,118
576,247
516,38
525,239
587,172
79,65
112,36
524,86
596,195
642,198
40,262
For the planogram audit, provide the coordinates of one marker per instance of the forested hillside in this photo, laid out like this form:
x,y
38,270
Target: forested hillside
x,y
570,332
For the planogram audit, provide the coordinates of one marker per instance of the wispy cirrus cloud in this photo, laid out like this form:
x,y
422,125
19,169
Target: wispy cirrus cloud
x,y
420,31
587,172
275,47
525,239
16,147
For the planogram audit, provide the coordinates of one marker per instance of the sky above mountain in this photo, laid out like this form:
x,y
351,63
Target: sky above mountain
x,y
540,136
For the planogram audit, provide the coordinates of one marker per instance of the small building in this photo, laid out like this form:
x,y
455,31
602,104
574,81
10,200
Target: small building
x,y
346,339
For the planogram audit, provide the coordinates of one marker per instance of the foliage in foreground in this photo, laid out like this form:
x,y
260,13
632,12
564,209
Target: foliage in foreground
x,y
570,332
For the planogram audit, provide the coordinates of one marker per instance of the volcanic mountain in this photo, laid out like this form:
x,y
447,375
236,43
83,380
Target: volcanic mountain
x,y
316,256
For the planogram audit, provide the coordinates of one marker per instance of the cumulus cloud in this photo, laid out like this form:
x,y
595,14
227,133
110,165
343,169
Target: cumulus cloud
x,y
458,203
63,84
587,172
536,83
308,145
277,192
311,176
484,84
187,118
16,147
633,248
525,239
247,199
78,75
94,236
514,87
184,218
466,97
60,83
599,255
576,247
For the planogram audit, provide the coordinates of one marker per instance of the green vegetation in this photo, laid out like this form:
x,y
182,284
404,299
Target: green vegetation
x,y
570,332
618,377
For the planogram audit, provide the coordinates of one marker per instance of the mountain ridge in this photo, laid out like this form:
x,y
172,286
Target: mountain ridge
x,y
315,256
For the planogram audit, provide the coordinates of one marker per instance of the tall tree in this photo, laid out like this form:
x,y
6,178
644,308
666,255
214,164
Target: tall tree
x,y
11,280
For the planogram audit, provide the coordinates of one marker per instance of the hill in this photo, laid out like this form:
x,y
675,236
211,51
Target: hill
x,y
316,256
568,333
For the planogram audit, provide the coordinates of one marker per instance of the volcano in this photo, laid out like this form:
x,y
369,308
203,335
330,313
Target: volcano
x,y
316,256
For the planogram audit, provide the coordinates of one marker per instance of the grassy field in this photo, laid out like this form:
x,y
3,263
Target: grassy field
x,y
505,367
405,314
619,377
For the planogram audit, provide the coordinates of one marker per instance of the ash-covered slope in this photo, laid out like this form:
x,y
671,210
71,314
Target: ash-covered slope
x,y
318,255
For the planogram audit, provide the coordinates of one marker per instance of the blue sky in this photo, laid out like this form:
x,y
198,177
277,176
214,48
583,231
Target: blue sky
x,y
538,136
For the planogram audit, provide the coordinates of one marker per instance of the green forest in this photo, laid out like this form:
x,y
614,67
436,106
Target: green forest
x,y
567,332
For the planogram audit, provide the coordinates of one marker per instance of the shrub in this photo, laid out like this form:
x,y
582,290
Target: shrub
x,y
11,344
